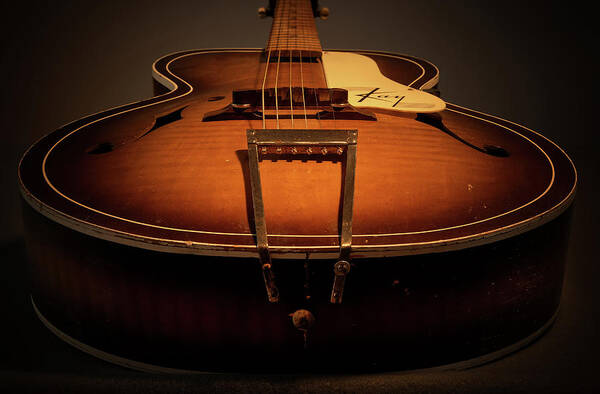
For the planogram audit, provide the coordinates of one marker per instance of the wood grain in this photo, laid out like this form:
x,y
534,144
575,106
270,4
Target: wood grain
x,y
457,254
187,182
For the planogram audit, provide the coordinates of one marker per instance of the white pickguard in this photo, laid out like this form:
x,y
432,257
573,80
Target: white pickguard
x,y
367,87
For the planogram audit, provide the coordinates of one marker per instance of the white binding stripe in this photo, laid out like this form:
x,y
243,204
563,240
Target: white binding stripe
x,y
47,211
277,235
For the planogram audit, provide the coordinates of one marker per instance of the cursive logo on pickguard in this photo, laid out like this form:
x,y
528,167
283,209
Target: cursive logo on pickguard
x,y
374,94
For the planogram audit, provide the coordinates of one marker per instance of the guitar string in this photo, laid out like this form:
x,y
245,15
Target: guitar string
x,y
302,44
278,26
320,61
281,15
291,93
270,46
291,61
276,80
309,21
302,85
329,92
263,88
286,16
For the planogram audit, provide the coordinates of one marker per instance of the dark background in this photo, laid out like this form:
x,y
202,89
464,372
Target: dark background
x,y
531,62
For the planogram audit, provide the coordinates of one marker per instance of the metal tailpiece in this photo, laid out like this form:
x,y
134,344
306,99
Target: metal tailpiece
x,y
298,142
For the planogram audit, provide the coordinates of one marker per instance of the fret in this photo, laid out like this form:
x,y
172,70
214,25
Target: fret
x,y
294,28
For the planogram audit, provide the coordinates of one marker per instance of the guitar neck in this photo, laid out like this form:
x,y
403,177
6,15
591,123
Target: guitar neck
x,y
294,30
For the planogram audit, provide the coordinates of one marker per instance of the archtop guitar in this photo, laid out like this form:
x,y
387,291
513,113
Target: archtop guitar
x,y
294,208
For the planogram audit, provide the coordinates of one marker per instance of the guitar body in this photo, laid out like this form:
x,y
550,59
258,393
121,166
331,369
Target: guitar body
x,y
142,241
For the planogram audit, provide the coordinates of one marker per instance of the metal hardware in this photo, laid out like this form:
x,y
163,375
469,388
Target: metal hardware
x,y
340,270
241,106
322,103
260,225
303,320
317,10
342,267
263,12
323,13
298,141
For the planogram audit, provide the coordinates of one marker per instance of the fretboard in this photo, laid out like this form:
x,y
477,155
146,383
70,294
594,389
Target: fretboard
x,y
294,29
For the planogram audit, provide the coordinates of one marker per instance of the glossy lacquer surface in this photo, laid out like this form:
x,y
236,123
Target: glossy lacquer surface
x,y
140,229
155,172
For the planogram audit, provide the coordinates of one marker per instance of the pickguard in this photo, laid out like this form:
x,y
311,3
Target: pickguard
x,y
368,87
